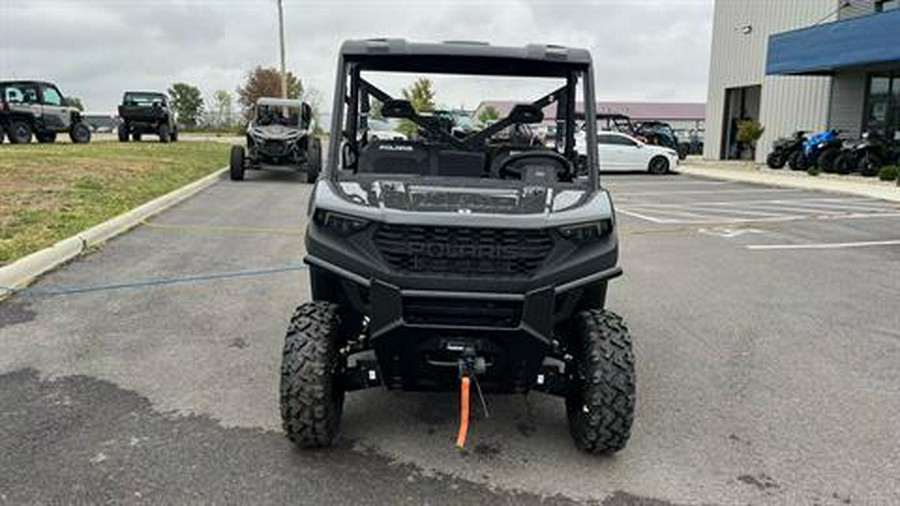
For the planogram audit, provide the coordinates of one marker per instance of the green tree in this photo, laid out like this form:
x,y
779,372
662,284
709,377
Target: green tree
x,y
421,95
187,101
223,100
73,102
489,113
265,82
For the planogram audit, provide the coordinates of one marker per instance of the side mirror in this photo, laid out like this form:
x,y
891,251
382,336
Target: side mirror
x,y
397,109
526,114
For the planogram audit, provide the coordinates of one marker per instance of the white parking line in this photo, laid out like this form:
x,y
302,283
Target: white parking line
x,y
683,192
833,245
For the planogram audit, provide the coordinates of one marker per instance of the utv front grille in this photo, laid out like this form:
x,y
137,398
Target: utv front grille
x,y
275,148
468,251
474,313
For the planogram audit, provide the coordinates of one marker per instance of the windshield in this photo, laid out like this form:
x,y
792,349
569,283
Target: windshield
x,y
143,99
277,115
452,127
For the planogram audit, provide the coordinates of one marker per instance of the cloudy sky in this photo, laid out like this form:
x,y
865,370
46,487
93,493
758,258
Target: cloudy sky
x,y
95,49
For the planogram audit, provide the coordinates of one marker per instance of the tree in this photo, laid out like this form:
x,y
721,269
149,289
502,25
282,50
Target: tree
x,y
265,82
421,95
222,100
187,101
489,113
73,102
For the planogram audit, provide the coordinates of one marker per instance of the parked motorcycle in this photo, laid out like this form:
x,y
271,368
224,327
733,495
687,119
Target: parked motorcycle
x,y
783,148
821,149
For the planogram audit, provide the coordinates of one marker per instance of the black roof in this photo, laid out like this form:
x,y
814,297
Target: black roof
x,y
25,81
462,57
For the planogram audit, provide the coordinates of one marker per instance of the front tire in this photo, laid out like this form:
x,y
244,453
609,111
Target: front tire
x,y
845,163
80,133
775,160
174,134
164,133
658,165
312,399
314,161
237,163
136,137
123,133
827,158
798,161
869,165
19,132
601,401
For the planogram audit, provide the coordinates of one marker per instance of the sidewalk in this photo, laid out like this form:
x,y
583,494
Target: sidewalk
x,y
752,173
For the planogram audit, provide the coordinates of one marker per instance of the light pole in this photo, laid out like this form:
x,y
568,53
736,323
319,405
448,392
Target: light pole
x,y
284,90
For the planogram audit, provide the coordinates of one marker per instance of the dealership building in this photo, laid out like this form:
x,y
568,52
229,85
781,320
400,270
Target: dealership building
x,y
802,65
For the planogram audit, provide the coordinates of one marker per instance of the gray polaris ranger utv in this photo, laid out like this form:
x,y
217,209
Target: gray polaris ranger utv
x,y
279,135
446,260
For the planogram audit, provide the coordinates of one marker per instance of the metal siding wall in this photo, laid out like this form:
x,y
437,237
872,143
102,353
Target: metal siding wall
x,y
738,59
848,96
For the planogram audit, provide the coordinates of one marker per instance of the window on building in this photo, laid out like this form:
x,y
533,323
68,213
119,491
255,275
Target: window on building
x,y
883,104
886,5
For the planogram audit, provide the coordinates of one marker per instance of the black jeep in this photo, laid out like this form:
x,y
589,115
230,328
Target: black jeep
x,y
449,260
146,112
37,109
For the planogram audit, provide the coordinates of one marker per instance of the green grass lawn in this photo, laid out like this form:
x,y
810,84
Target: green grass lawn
x,y
50,192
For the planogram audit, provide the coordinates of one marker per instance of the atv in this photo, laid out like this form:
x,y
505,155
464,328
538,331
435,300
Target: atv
x,y
866,155
146,112
820,149
452,262
279,135
784,148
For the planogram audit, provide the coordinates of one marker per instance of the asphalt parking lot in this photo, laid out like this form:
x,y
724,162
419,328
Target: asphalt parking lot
x,y
765,321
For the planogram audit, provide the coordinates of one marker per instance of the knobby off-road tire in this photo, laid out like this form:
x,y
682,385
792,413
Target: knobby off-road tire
x,y
165,135
314,163
845,163
827,158
123,133
237,163
80,133
19,132
600,404
776,160
311,397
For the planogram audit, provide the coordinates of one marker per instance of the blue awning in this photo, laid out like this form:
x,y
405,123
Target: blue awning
x,y
865,42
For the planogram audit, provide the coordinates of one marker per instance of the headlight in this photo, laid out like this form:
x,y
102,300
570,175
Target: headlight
x,y
340,223
586,232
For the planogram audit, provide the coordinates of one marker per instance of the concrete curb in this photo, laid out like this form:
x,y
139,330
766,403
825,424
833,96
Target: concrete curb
x,y
22,272
790,180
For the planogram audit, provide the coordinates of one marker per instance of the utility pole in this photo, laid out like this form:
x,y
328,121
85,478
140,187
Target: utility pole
x,y
284,90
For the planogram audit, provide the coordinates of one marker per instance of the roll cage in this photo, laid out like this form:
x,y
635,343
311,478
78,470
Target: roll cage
x,y
350,115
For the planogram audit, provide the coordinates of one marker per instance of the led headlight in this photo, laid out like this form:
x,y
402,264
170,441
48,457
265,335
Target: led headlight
x,y
340,223
586,232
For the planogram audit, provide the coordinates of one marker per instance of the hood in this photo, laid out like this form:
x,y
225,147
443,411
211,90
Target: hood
x,y
275,132
425,197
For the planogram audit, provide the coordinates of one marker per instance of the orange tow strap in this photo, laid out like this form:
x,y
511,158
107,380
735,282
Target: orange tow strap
x,y
463,412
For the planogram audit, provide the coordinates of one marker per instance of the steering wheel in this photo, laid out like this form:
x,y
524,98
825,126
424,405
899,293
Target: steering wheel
x,y
508,171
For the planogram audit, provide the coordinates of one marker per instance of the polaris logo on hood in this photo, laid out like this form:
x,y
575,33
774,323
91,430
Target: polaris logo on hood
x,y
394,147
